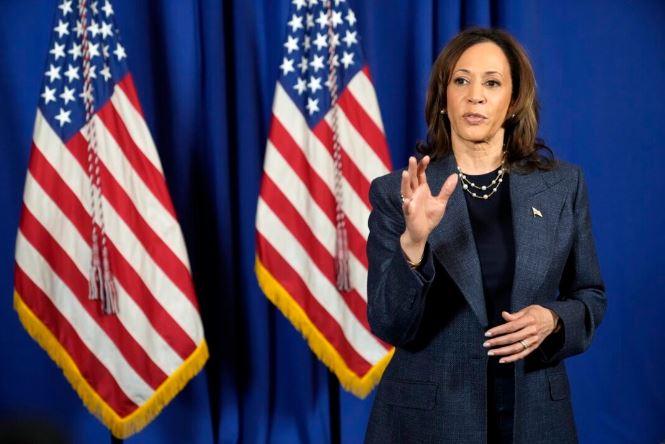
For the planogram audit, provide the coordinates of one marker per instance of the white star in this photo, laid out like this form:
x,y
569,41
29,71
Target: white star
x,y
53,73
61,29
105,51
66,7
291,44
108,9
63,117
75,51
119,52
72,73
313,2
337,2
320,41
335,60
314,84
106,72
316,63
350,38
299,4
329,82
58,50
336,18
93,8
351,18
86,95
303,64
48,95
335,40
322,20
286,66
300,85
78,28
94,29
347,59
67,95
93,74
312,105
295,23
306,42
93,50
309,20
106,30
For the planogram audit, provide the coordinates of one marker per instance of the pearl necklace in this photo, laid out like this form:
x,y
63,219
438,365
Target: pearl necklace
x,y
469,186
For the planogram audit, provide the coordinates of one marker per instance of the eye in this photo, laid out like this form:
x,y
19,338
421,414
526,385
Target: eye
x,y
460,81
493,83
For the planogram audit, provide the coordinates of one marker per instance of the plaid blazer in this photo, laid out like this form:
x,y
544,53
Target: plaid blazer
x,y
435,388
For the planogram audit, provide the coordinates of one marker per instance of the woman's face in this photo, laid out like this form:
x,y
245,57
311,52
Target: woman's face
x,y
479,94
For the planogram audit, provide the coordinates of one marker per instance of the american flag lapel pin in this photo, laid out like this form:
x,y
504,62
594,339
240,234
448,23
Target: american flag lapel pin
x,y
536,212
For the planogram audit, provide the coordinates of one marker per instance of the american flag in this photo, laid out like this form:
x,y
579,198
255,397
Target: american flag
x,y
131,337
326,144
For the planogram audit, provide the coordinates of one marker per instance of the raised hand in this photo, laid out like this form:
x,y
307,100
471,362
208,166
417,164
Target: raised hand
x,y
422,210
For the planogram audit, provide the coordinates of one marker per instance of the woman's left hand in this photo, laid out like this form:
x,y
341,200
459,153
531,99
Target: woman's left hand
x,y
522,333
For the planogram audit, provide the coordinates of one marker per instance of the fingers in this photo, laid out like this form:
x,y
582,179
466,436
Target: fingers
x,y
447,188
413,173
508,327
422,166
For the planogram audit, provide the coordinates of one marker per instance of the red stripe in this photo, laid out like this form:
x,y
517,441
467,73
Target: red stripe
x,y
127,86
68,202
49,179
63,266
319,317
365,126
151,176
91,369
158,250
317,252
318,189
353,175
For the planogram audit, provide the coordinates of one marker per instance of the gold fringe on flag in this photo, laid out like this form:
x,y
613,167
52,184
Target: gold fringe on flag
x,y
359,386
119,426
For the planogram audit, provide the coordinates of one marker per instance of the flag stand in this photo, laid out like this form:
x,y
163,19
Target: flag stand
x,y
334,408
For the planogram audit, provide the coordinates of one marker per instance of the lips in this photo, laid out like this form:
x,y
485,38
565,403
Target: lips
x,y
474,118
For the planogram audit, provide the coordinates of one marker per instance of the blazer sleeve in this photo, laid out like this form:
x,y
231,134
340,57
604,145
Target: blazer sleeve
x,y
582,302
396,293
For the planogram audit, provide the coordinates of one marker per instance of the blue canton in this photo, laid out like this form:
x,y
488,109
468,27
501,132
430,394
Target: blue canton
x,y
305,62
62,102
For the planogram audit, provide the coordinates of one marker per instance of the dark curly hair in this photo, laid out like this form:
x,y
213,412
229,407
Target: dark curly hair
x,y
523,150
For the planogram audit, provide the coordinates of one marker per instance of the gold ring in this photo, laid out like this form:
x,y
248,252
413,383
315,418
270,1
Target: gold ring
x,y
524,344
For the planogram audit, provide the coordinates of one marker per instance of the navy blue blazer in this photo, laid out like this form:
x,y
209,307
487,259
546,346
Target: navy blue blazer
x,y
435,387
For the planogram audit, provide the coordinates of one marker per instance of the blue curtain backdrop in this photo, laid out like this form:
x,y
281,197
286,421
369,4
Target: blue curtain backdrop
x,y
205,73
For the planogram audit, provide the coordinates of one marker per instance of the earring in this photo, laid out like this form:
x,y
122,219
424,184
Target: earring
x,y
513,116
443,111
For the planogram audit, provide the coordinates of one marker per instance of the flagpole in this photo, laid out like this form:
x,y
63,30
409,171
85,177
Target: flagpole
x,y
115,440
333,407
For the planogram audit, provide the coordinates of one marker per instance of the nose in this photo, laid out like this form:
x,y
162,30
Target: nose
x,y
476,95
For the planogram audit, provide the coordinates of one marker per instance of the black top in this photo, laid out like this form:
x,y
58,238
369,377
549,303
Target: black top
x,y
492,225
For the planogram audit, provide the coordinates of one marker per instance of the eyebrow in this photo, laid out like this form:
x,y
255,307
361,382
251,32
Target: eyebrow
x,y
486,72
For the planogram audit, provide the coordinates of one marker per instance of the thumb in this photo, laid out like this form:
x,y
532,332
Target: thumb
x,y
447,188
512,316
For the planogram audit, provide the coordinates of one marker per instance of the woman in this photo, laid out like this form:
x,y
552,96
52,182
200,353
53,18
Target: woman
x,y
485,286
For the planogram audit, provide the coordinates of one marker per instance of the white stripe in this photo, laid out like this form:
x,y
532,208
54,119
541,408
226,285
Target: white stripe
x,y
272,229
169,296
145,202
68,237
363,90
362,155
136,126
39,271
289,183
319,158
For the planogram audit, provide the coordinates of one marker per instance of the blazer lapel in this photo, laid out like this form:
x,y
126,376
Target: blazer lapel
x,y
452,240
535,213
